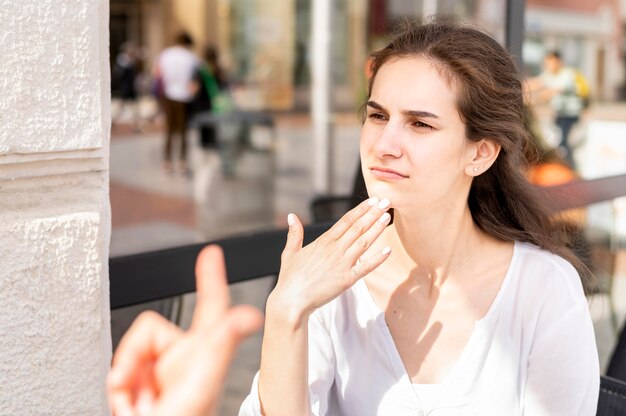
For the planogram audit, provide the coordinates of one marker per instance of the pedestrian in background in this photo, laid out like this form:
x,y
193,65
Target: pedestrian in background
x,y
125,72
557,85
175,69
211,92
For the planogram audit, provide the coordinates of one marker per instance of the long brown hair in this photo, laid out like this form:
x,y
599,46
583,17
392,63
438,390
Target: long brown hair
x,y
490,101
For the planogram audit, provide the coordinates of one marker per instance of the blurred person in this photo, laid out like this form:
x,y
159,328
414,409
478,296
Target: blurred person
x,y
175,69
466,303
125,74
557,85
159,369
211,84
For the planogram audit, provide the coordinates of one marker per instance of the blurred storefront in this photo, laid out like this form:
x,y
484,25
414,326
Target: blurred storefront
x,y
256,39
265,44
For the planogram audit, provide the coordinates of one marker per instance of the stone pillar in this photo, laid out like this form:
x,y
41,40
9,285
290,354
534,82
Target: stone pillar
x,y
55,344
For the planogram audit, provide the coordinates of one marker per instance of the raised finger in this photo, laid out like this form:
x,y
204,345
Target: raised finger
x,y
362,226
349,218
363,243
212,296
295,235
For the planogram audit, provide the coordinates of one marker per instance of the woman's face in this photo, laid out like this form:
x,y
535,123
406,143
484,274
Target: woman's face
x,y
413,146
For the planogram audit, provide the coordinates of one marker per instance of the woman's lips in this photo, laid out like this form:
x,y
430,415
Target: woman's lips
x,y
383,173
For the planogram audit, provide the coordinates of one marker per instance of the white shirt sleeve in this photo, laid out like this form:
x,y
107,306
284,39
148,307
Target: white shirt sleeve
x,y
321,373
563,367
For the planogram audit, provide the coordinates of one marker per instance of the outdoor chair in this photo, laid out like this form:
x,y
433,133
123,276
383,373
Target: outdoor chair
x,y
329,208
145,277
617,365
612,400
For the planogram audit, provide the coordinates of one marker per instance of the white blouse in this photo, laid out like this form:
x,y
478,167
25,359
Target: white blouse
x,y
533,353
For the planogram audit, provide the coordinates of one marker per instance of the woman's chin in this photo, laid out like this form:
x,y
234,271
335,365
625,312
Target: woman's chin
x,y
380,190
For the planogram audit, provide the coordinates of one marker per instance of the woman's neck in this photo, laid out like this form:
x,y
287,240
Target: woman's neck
x,y
433,247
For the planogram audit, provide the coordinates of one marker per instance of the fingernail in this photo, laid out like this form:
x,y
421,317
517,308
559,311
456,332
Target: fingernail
x,y
384,204
385,251
291,220
372,201
384,218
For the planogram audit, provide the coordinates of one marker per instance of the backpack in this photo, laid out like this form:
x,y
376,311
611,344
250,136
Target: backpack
x,y
221,100
582,87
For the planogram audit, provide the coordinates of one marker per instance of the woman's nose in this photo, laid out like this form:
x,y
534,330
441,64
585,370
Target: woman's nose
x,y
388,142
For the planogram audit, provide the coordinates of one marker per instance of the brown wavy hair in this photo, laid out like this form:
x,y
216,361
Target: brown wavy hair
x,y
490,102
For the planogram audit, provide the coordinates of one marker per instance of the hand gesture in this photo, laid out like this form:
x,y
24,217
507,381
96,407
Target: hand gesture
x,y
158,369
314,275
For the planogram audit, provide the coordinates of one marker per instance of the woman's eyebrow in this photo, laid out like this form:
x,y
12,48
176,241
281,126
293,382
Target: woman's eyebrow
x,y
415,113
375,105
422,114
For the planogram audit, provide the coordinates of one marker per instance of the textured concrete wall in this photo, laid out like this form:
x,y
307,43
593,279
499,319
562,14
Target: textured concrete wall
x,y
54,210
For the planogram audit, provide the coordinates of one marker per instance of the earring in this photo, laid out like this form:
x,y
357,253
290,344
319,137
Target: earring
x,y
476,169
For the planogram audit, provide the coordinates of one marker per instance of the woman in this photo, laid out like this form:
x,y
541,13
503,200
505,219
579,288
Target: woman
x,y
209,81
465,304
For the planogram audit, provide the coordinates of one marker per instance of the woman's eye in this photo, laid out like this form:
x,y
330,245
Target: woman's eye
x,y
376,116
420,124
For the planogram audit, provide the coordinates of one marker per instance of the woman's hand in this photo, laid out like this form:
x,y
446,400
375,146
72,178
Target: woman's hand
x,y
158,369
314,275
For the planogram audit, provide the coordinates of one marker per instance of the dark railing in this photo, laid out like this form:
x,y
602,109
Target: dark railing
x,y
582,193
160,274
165,273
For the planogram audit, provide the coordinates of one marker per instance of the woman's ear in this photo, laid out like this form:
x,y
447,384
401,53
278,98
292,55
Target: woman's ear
x,y
485,152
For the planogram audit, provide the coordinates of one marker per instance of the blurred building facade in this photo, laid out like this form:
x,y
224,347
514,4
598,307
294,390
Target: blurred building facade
x,y
265,44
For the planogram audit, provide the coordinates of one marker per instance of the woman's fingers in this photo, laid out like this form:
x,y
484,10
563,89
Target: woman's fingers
x,y
212,295
361,228
365,240
295,236
365,266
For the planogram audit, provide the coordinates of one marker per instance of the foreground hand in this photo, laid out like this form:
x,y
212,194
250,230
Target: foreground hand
x,y
314,275
158,369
